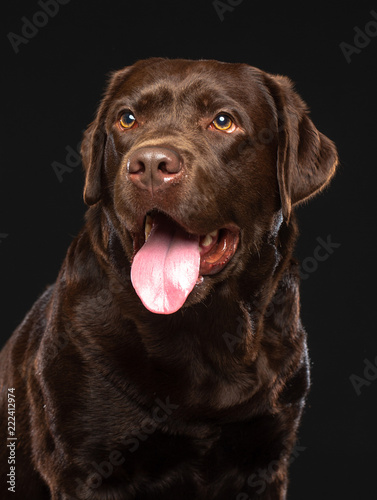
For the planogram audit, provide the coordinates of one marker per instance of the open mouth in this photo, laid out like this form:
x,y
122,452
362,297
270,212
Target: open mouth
x,y
169,260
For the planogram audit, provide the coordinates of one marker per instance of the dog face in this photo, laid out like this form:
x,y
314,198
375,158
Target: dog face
x,y
195,164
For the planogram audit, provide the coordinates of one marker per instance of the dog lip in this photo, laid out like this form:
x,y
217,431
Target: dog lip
x,y
221,252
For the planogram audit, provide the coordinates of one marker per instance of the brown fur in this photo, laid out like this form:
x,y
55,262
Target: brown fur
x,y
95,372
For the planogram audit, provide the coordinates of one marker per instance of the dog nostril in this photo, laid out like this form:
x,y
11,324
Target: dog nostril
x,y
162,166
169,165
141,168
136,167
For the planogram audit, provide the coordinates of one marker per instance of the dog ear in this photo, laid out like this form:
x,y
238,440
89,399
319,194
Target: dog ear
x,y
306,158
94,141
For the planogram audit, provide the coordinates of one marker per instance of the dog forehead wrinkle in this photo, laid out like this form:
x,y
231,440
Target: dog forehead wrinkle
x,y
149,99
209,94
178,87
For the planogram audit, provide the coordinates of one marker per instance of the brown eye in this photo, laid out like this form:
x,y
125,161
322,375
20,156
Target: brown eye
x,y
127,120
223,122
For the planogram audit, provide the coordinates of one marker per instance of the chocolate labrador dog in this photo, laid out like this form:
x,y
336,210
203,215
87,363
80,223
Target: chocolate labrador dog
x,y
168,360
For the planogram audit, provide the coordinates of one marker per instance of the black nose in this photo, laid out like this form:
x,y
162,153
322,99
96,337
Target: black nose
x,y
154,168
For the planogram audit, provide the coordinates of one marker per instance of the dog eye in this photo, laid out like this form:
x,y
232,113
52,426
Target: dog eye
x,y
127,120
224,123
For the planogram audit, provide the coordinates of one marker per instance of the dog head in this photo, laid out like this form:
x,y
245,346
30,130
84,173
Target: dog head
x,y
194,163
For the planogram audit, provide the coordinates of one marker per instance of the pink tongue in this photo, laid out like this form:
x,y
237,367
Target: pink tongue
x,y
165,269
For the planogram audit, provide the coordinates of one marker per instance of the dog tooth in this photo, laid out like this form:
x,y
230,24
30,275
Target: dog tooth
x,y
148,226
207,240
214,233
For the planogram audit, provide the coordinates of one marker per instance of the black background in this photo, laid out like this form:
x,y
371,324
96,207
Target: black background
x,y
54,84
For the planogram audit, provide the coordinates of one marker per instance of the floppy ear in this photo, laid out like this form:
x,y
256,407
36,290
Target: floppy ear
x,y
94,141
306,158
